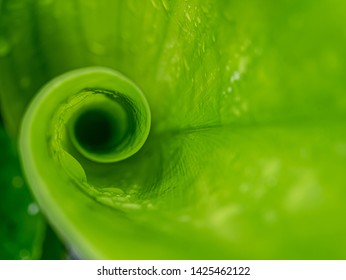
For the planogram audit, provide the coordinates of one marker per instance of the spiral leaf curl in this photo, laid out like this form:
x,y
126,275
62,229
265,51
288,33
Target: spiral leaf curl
x,y
82,120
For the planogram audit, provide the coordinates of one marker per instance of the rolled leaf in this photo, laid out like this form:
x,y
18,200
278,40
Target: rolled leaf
x,y
246,150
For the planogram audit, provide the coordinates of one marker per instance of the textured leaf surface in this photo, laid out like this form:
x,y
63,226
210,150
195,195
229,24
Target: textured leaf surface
x,y
247,146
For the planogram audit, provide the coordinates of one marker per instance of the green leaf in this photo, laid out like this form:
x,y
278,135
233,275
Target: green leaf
x,y
246,149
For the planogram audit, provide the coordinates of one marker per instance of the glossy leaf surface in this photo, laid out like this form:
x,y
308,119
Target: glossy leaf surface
x,y
246,150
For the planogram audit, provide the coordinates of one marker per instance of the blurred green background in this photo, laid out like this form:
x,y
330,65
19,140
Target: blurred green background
x,y
269,75
24,233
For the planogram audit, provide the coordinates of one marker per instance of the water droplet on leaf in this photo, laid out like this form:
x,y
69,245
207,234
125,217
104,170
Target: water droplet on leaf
x,y
33,209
